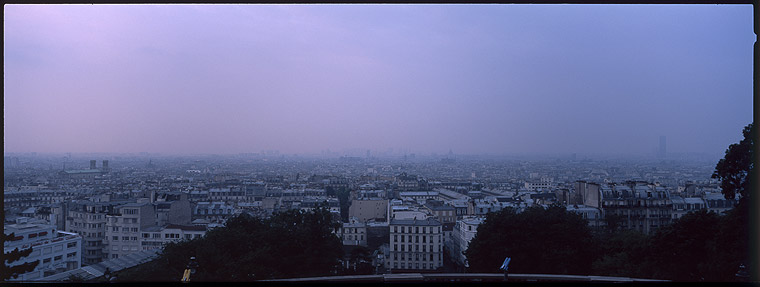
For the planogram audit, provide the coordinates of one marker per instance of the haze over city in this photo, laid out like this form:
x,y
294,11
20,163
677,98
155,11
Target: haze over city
x,y
474,79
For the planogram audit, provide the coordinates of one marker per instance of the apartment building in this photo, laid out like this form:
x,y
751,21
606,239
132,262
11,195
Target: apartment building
x,y
353,233
463,233
124,226
88,219
57,251
415,245
641,206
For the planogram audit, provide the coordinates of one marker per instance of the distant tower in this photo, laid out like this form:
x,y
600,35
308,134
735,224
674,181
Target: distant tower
x,y
105,165
662,151
368,153
92,164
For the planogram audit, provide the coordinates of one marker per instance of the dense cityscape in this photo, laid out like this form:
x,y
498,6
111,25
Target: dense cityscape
x,y
86,215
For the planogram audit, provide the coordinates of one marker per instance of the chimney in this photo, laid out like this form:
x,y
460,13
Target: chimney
x,y
92,164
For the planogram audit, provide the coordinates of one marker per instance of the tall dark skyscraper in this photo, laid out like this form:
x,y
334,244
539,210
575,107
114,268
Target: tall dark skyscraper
x,y
662,151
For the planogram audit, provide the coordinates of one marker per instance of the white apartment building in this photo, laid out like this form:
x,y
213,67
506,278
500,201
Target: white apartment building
x,y
463,233
415,245
57,251
123,228
353,233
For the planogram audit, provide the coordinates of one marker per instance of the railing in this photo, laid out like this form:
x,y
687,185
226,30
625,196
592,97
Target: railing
x,y
465,277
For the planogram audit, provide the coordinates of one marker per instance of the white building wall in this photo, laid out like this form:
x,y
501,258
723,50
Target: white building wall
x,y
56,251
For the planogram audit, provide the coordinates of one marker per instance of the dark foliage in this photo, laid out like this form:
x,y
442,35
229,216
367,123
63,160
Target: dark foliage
x,y
289,244
344,197
539,240
734,169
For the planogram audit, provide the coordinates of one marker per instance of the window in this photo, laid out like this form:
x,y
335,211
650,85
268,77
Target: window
x,y
125,238
46,260
134,238
156,235
115,238
145,235
424,239
71,255
134,229
57,258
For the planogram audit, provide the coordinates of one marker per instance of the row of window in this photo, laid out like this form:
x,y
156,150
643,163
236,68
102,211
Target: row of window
x,y
416,229
125,229
416,265
416,248
124,238
88,225
417,256
87,216
417,238
124,248
358,237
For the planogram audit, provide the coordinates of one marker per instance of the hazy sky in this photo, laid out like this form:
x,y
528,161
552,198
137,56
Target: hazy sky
x,y
427,78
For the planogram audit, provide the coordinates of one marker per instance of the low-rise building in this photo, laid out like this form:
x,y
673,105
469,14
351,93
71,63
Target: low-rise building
x,y
353,233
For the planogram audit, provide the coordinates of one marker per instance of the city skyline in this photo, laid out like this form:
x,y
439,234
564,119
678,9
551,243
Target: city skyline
x,y
475,79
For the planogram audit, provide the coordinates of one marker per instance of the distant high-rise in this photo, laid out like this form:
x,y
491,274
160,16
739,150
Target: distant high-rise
x,y
105,165
662,151
93,164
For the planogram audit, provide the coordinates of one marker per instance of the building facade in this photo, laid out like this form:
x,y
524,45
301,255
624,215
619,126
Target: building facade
x,y
415,245
57,251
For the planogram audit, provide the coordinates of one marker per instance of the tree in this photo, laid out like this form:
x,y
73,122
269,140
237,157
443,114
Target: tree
x,y
736,173
735,168
684,250
344,197
293,243
539,240
8,271
622,253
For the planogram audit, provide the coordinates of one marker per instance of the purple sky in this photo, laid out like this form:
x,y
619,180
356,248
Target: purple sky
x,y
426,78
